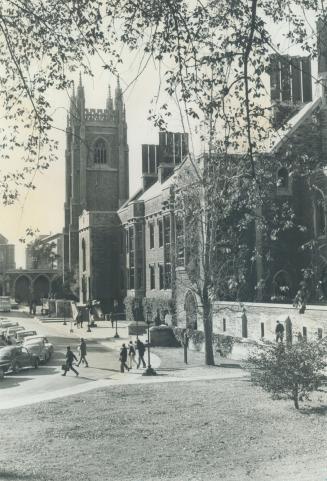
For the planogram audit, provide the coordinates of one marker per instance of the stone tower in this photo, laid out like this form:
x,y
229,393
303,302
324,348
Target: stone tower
x,y
96,164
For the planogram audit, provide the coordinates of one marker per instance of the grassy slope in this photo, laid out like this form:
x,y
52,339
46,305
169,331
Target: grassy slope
x,y
210,430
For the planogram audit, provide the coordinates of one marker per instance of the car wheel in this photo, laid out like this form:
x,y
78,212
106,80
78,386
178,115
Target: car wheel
x,y
36,363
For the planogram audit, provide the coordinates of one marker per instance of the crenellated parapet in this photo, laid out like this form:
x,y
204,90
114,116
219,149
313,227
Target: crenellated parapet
x,y
101,115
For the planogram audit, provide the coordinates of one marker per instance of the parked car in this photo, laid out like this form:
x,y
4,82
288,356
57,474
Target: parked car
x,y
39,346
14,358
10,334
20,335
5,324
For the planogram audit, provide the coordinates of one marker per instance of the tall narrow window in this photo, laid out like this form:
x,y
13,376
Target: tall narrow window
x,y
167,276
262,329
304,333
180,254
161,277
160,232
224,324
152,277
83,255
151,233
100,152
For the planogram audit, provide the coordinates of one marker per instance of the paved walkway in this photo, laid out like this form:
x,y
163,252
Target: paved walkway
x,y
168,362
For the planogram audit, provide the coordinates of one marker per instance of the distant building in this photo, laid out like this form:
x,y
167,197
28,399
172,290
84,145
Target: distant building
x,y
54,262
7,255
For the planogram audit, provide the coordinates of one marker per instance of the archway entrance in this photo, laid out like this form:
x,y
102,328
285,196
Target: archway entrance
x,y
41,288
22,289
190,308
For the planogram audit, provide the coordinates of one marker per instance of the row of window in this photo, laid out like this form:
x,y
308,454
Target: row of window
x,y
163,232
136,281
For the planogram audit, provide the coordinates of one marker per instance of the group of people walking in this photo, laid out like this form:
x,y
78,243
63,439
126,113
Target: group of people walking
x,y
70,358
126,353
129,352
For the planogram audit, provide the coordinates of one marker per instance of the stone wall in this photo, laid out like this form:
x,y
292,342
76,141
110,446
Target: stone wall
x,y
229,316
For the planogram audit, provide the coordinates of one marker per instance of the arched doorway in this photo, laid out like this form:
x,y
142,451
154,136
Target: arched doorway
x,y
23,289
41,287
190,307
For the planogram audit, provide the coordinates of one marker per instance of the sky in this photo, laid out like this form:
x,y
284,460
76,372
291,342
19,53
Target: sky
x,y
43,208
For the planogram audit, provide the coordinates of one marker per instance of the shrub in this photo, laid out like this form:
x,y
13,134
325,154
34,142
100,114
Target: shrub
x,y
288,371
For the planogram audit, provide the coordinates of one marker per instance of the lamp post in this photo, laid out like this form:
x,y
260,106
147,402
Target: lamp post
x,y
149,370
116,336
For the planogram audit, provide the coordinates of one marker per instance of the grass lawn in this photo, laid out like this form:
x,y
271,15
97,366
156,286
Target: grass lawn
x,y
222,430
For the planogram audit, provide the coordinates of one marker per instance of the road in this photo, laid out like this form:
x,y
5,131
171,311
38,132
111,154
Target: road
x,y
102,357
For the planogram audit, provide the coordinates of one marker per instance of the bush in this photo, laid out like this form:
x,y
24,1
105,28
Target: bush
x,y
288,371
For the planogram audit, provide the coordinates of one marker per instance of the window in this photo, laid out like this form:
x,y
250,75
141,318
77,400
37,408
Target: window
x,y
161,277
100,152
262,325
160,232
131,239
319,333
167,230
127,240
139,278
180,254
83,255
131,278
152,278
167,276
151,231
224,324
122,280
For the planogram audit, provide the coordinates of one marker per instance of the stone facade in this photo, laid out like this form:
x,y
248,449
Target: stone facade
x,y
97,180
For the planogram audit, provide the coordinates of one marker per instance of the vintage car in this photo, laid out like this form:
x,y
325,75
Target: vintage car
x,y
5,324
10,334
20,335
39,346
14,358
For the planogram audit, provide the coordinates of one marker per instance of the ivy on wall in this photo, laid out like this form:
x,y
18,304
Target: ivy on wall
x,y
153,307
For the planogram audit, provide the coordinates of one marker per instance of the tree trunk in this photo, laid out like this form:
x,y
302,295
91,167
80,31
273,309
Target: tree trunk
x,y
207,328
296,396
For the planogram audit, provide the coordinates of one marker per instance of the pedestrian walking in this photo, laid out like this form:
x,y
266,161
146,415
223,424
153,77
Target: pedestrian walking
x,y
70,357
123,358
82,353
279,331
141,350
131,355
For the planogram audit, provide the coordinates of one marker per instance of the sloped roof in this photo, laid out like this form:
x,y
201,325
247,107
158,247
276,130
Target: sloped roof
x,y
156,189
279,137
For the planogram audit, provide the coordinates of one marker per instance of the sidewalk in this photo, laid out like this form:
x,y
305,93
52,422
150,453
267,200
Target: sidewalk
x,y
165,359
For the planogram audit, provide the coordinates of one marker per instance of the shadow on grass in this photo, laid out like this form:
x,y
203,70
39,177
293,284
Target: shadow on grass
x,y
320,410
14,475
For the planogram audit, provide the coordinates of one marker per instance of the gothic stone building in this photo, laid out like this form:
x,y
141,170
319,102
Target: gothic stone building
x,y
155,259
97,184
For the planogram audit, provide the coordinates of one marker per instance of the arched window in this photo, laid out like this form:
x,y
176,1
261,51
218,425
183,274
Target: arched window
x,y
100,152
320,220
83,255
282,178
